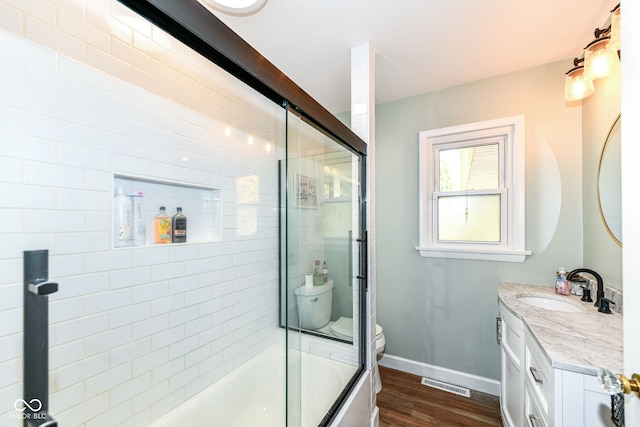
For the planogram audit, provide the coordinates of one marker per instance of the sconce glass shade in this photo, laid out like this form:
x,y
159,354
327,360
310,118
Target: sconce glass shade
x,y
576,85
615,29
599,59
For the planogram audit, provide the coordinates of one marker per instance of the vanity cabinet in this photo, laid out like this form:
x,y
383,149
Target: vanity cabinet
x,y
535,394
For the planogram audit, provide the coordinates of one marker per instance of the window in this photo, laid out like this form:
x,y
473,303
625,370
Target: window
x,y
472,191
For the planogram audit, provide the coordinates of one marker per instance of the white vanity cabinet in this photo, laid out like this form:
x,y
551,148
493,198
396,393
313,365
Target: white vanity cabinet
x,y
535,394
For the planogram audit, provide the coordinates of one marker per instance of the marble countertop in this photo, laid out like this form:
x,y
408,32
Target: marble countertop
x,y
580,342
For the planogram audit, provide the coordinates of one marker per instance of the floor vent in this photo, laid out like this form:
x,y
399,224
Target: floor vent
x,y
461,391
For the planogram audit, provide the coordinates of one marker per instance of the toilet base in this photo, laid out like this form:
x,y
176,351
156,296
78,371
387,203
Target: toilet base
x,y
376,378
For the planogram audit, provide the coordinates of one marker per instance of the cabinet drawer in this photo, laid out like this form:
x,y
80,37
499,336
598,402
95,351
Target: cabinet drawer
x,y
533,415
539,375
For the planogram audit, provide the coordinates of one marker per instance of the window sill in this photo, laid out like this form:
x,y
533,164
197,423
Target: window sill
x,y
482,255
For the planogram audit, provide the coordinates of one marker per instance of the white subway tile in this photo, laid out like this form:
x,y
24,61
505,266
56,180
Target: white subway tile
x,y
167,370
151,256
73,155
62,310
107,380
150,326
10,18
79,328
110,261
45,220
130,351
167,304
80,371
65,354
117,415
47,34
88,409
167,337
79,28
83,199
11,319
62,400
150,291
27,196
130,277
10,371
103,342
167,271
129,314
183,284
75,286
149,361
106,301
74,243
182,316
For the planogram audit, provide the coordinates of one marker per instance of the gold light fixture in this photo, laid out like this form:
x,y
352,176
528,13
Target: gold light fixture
x,y
600,58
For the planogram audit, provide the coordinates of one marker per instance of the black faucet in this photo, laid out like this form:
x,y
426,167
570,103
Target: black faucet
x,y
600,291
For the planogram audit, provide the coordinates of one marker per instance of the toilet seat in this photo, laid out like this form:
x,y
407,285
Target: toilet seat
x,y
343,328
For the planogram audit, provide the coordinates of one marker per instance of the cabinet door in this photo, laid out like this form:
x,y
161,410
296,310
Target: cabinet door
x,y
512,385
584,402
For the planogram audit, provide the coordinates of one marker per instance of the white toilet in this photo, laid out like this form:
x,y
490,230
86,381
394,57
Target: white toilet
x,y
314,310
343,328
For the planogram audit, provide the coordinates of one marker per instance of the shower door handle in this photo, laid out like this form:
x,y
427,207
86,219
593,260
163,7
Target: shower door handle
x,y
37,289
364,260
43,288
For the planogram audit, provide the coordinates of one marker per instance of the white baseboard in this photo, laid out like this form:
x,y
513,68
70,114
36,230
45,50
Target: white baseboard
x,y
462,379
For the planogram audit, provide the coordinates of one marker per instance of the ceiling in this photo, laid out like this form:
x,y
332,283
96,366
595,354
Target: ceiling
x,y
420,45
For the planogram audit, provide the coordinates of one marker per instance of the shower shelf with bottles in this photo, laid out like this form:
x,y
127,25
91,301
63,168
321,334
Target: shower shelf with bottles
x,y
201,204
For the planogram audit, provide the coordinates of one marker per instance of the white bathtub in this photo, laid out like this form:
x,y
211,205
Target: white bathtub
x,y
253,395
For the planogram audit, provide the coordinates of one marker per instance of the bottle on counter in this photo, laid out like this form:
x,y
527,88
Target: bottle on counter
x,y
162,227
179,227
562,285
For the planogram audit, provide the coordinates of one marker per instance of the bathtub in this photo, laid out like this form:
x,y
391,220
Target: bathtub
x,y
253,395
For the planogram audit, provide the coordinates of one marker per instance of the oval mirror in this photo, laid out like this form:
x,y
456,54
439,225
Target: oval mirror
x,y
609,193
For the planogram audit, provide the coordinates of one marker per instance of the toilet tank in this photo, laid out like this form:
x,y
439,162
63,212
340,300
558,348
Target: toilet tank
x,y
314,305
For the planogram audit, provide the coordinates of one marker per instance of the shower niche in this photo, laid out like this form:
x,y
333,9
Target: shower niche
x,y
202,205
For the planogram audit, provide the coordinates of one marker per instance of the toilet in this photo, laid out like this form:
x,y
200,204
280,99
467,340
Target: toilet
x,y
343,328
314,310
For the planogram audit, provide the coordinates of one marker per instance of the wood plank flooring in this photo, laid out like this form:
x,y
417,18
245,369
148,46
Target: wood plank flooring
x,y
404,402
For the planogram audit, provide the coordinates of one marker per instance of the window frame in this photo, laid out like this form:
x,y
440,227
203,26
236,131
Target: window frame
x,y
509,133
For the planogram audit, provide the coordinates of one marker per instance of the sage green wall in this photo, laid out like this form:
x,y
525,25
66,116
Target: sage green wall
x,y
442,312
599,111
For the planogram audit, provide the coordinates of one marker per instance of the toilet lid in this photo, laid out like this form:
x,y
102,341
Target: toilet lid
x,y
344,327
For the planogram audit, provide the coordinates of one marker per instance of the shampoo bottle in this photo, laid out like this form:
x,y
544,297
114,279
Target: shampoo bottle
x,y
162,227
139,227
179,227
122,219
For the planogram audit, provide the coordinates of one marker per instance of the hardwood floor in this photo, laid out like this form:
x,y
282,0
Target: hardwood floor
x,y
404,402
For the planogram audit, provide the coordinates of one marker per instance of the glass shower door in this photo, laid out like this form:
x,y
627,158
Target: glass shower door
x,y
321,288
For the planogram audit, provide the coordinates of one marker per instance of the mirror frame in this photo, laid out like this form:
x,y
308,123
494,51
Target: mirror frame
x,y
602,216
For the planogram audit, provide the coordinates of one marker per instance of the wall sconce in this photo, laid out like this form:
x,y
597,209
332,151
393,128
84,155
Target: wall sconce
x,y
600,57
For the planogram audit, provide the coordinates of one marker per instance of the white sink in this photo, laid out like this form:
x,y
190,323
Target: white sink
x,y
550,303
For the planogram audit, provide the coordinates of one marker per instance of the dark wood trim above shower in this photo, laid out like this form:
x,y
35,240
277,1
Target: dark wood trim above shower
x,y
195,26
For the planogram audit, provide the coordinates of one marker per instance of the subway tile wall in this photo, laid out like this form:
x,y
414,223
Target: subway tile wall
x,y
88,92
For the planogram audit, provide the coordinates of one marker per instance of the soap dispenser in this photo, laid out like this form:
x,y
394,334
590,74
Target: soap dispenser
x,y
562,286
